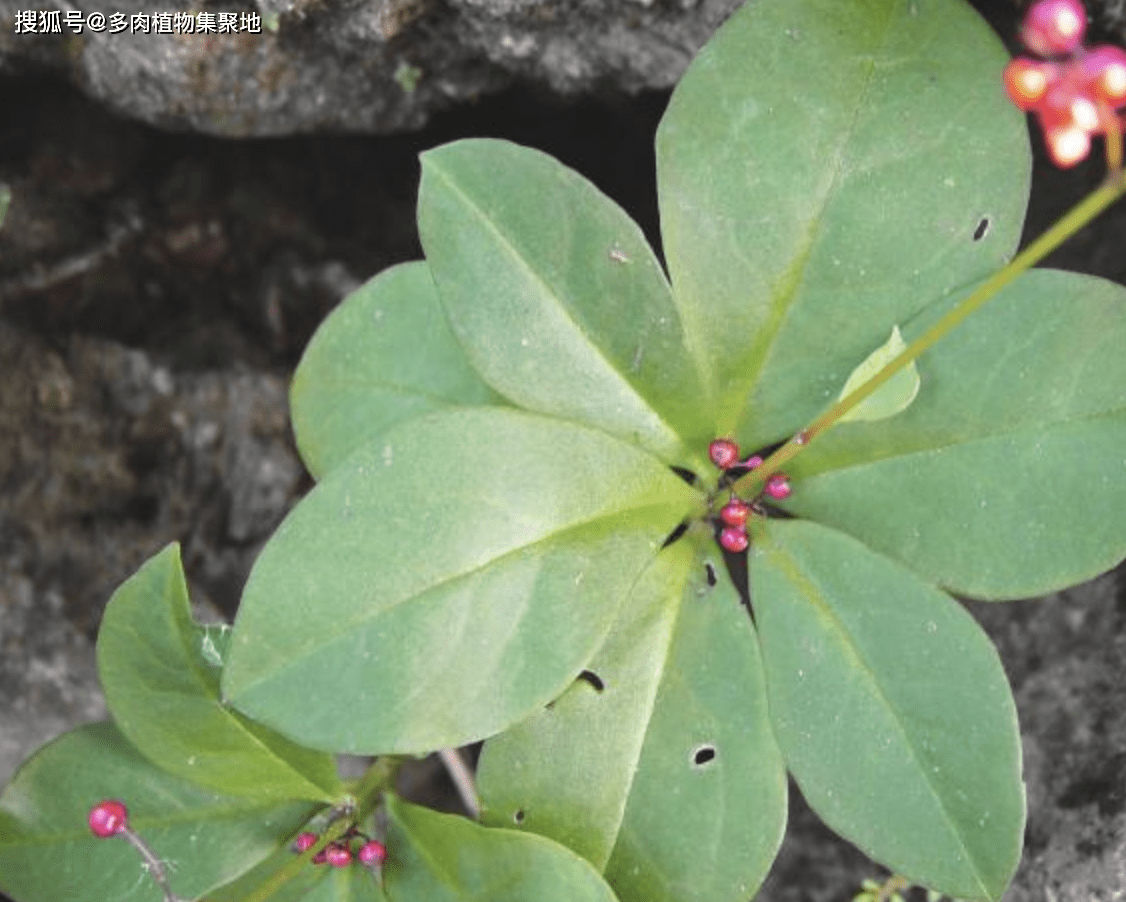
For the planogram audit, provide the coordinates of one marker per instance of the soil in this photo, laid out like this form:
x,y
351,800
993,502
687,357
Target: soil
x,y
156,291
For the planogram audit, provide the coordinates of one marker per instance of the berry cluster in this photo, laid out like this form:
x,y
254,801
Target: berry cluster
x,y
371,853
724,453
1074,90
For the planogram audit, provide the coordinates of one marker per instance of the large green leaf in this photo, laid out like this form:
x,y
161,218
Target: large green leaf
x,y
446,581
826,169
160,673
1007,475
384,355
442,858
891,708
47,852
666,738
556,295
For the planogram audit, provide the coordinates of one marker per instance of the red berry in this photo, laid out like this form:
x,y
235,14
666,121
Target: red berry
x,y
1067,145
1027,81
373,852
724,453
338,856
1068,104
1105,70
1054,27
778,486
321,856
734,513
108,818
304,841
734,539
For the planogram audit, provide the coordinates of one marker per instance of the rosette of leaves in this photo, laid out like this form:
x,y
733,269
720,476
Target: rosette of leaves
x,y
501,431
512,534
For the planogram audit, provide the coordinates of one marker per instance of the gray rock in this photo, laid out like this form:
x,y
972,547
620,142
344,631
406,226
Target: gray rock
x,y
378,67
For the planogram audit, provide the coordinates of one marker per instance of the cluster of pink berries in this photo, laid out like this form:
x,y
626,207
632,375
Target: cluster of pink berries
x,y
1074,90
724,453
371,852
110,818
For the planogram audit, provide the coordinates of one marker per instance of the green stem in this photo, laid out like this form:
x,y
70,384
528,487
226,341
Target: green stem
x,y
1071,222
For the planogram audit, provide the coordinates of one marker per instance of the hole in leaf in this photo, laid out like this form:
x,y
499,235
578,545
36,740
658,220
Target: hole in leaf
x,y
982,228
703,755
589,676
709,573
675,534
687,475
518,816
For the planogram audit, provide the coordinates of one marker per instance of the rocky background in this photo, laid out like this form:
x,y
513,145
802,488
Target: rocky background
x,y
158,280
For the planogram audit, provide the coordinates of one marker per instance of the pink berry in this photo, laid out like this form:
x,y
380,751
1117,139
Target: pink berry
x,y
373,852
734,513
304,841
321,856
752,462
778,486
1027,81
724,453
1067,145
1105,70
338,856
108,818
733,539
1054,27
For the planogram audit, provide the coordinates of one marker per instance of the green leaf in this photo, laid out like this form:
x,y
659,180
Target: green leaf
x,y
442,858
1005,477
891,708
447,581
384,355
556,296
894,396
5,201
672,742
47,852
160,675
823,169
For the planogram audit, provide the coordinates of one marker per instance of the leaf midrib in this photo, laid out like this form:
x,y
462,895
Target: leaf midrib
x,y
793,277
296,656
1026,427
523,264
808,589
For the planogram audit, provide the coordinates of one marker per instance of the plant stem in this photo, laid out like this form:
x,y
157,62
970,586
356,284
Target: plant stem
x,y
463,781
1071,222
153,864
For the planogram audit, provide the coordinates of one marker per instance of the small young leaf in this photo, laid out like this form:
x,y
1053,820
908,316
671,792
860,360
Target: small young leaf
x,y
47,852
821,176
891,708
158,671
890,398
384,355
1004,478
442,858
675,742
446,581
556,296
